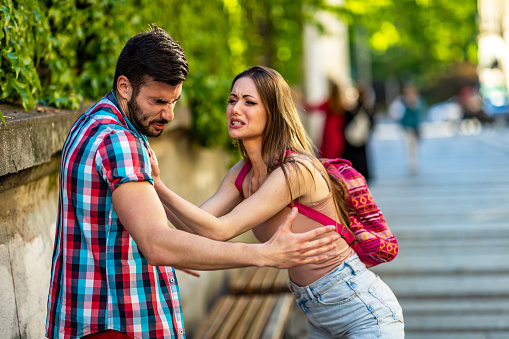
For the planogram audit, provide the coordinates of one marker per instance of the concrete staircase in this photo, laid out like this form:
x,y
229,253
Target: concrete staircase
x,y
452,222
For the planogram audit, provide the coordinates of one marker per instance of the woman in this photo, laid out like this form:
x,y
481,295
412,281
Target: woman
x,y
333,138
340,296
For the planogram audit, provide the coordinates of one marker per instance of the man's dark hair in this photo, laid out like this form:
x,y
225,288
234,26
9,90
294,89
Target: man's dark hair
x,y
154,54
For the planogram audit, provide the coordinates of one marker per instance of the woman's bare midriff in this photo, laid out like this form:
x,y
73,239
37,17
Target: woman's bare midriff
x,y
306,274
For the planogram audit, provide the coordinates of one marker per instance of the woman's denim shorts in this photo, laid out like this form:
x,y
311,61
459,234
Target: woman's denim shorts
x,y
350,302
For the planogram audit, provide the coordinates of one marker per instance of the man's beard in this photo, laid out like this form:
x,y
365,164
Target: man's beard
x,y
140,120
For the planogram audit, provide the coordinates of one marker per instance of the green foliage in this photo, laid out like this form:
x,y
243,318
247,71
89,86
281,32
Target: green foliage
x,y
221,39
18,76
421,39
2,118
60,52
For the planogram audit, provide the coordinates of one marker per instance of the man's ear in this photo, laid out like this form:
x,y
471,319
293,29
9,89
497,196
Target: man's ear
x,y
124,87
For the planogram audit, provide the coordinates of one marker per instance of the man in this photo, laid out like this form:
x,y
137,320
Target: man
x,y
111,274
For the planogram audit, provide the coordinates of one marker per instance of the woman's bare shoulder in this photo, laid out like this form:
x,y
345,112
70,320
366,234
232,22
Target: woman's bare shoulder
x,y
310,178
234,171
305,161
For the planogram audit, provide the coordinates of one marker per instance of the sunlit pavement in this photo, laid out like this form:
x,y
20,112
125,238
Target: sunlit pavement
x,y
452,222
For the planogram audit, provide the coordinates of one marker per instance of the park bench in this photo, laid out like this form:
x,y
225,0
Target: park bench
x,y
258,280
257,305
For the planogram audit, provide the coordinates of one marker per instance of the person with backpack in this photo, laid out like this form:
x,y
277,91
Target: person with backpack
x,y
339,295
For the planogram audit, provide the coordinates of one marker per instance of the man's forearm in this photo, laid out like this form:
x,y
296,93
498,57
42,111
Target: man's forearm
x,y
183,250
284,250
139,209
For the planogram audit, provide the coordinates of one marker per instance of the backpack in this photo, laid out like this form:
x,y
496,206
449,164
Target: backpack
x,y
370,236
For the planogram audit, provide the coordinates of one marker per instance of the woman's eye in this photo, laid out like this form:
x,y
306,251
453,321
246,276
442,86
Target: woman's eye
x,y
250,102
231,101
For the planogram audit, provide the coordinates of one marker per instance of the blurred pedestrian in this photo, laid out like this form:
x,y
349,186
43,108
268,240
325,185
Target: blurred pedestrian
x,y
470,101
358,128
414,109
333,139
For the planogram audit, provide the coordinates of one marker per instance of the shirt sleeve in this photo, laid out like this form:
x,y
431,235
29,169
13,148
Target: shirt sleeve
x,y
122,158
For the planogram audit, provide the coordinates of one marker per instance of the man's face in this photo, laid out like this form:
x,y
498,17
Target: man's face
x,y
152,109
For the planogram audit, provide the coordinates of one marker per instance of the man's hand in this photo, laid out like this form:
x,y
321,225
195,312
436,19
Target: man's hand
x,y
286,249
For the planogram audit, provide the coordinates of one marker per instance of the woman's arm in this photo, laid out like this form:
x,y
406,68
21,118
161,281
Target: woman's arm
x,y
175,221
138,208
270,199
222,202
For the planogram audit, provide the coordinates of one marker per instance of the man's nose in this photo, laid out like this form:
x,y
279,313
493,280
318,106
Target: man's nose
x,y
168,113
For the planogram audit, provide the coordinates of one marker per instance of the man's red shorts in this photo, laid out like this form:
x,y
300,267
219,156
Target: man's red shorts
x,y
108,334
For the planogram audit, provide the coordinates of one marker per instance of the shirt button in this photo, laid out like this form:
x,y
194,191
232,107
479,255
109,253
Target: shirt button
x,y
172,280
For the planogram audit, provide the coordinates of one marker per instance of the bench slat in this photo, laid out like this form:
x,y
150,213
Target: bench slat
x,y
259,280
217,315
255,308
233,317
278,319
267,283
242,328
259,321
241,279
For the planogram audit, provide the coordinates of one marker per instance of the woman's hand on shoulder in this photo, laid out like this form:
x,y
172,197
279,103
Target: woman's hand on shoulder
x,y
155,171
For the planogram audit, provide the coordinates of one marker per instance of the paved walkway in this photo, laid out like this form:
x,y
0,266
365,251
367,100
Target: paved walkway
x,y
452,222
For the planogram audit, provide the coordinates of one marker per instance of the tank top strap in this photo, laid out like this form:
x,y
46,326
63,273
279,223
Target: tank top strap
x,y
242,175
324,220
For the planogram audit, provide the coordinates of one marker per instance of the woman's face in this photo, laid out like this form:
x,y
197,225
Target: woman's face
x,y
246,114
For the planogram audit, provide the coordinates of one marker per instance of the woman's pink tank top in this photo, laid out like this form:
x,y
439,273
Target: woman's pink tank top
x,y
305,274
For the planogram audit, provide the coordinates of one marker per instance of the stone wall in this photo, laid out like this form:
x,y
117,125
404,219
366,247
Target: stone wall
x,y
29,164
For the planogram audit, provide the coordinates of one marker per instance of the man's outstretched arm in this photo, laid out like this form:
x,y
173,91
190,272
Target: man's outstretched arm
x,y
140,211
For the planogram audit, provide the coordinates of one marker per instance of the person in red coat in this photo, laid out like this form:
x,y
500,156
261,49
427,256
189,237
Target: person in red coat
x,y
333,138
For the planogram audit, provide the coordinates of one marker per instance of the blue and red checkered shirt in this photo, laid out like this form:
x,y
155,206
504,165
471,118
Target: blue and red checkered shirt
x,y
99,278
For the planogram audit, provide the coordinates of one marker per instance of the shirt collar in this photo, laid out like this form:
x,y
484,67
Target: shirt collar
x,y
125,121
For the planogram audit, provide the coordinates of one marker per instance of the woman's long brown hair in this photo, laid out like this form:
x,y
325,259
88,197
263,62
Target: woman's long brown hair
x,y
284,132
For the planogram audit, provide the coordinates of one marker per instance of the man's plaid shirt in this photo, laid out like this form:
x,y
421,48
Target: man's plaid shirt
x,y
99,278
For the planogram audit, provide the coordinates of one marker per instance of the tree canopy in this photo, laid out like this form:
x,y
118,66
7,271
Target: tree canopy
x,y
418,37
60,52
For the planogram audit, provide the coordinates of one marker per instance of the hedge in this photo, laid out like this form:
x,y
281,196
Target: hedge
x,y
60,53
